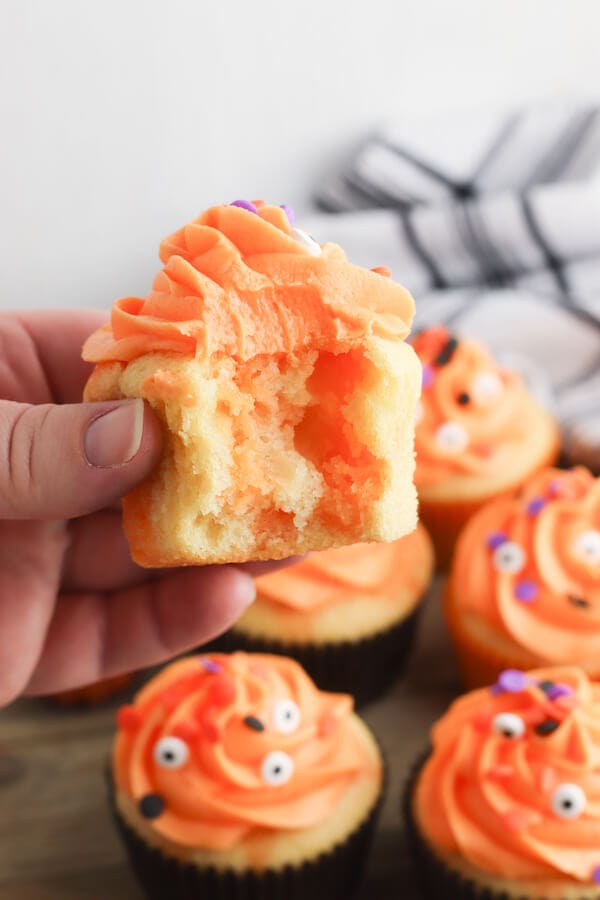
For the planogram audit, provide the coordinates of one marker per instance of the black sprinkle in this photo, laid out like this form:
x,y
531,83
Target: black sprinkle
x,y
254,723
547,727
546,686
581,602
463,398
446,353
151,806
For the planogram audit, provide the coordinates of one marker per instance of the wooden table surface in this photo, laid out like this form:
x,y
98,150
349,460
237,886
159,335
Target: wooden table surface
x,y
57,841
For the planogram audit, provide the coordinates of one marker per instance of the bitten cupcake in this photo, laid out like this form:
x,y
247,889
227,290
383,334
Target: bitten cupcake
x,y
507,804
524,589
285,387
348,615
234,777
480,434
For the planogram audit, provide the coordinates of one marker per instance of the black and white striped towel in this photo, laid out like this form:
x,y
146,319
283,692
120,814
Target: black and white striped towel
x,y
493,222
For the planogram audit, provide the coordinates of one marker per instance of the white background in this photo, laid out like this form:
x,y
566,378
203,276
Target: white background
x,y
121,119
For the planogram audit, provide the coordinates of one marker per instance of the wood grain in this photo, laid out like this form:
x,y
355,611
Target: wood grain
x,y
56,838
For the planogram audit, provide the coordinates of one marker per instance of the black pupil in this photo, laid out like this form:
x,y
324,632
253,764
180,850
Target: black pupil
x,y
276,770
567,804
507,732
463,398
169,756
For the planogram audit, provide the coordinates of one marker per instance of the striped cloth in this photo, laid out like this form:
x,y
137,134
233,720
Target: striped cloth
x,y
493,221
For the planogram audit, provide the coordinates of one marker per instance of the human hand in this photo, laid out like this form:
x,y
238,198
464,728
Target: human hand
x,y
74,607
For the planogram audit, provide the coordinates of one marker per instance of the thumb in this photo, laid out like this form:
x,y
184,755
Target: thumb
x,y
59,462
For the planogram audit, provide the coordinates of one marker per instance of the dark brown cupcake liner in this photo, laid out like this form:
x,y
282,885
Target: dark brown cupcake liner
x,y
334,875
365,668
436,880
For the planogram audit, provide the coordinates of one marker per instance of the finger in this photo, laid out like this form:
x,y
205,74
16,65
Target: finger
x,y
98,557
263,568
58,462
57,337
138,627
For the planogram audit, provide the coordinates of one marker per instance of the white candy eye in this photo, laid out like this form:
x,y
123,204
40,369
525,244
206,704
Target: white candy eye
x,y
307,242
286,717
587,546
277,768
508,725
486,386
509,557
171,752
452,436
568,801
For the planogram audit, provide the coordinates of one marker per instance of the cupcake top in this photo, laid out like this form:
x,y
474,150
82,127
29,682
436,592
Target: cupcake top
x,y
241,280
513,782
530,566
329,577
214,747
472,415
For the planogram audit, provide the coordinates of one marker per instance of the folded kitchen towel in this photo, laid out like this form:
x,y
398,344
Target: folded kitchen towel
x,y
493,221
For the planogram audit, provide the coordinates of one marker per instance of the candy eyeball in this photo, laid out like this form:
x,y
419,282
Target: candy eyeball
x,y
508,725
509,557
171,752
486,387
277,768
587,546
568,801
452,436
286,717
307,242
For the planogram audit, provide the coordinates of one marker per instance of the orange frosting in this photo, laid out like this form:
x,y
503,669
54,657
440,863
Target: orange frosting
x,y
234,743
241,283
530,566
513,782
332,576
471,419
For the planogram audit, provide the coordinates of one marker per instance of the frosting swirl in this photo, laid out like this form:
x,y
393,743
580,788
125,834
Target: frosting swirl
x,y
472,416
329,577
240,280
213,748
530,567
513,782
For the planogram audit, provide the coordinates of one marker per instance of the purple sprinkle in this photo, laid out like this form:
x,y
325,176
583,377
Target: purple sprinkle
x,y
496,539
526,591
536,506
559,690
428,376
289,212
245,204
596,875
511,681
210,666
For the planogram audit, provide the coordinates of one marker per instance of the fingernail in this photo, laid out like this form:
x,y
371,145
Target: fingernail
x,y
115,437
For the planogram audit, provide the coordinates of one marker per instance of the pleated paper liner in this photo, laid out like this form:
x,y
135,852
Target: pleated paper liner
x,y
365,668
333,875
438,882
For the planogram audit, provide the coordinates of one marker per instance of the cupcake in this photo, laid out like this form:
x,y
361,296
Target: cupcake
x,y
524,588
94,694
348,615
507,804
285,388
480,434
234,777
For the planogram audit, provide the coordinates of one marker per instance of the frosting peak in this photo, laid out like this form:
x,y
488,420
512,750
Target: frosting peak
x,y
215,747
513,782
242,281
